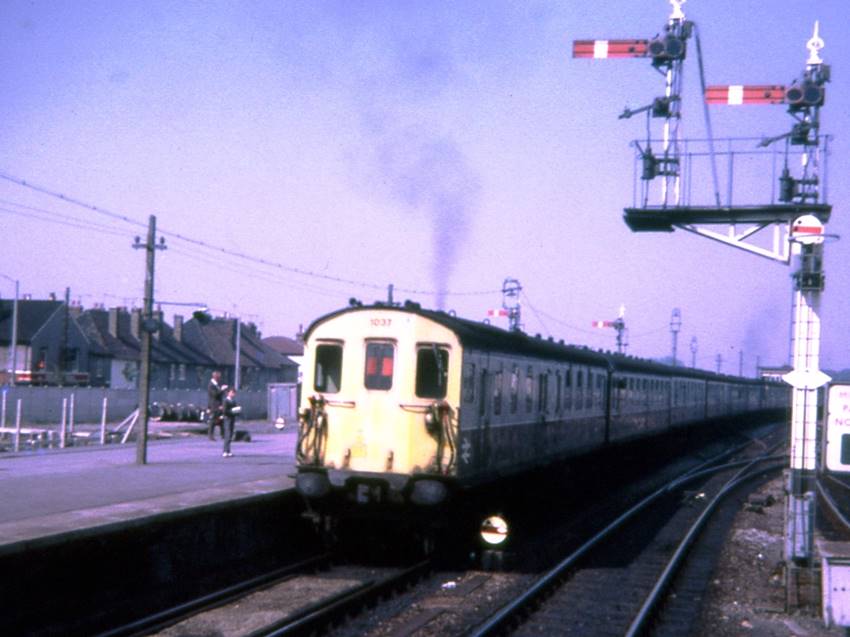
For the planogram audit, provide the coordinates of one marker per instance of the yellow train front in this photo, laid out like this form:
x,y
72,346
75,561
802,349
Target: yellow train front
x,y
379,412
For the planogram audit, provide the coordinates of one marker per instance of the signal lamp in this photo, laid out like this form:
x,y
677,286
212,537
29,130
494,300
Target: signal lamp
x,y
650,166
787,187
801,95
800,134
666,49
661,107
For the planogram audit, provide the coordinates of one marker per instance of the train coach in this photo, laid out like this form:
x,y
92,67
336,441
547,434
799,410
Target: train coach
x,y
403,405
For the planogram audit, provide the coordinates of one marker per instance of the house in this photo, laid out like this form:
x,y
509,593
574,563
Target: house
x,y
291,348
259,364
117,331
50,349
62,344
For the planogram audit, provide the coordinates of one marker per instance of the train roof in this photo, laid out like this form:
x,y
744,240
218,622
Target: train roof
x,y
477,335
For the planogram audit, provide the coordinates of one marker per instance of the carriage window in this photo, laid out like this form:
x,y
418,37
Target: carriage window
x,y
432,372
579,389
469,382
514,387
497,393
529,389
328,376
543,393
558,392
379,366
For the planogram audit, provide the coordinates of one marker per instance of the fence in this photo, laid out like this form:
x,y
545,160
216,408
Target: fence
x,y
41,405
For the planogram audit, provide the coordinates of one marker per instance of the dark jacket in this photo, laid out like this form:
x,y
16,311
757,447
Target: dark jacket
x,y
215,395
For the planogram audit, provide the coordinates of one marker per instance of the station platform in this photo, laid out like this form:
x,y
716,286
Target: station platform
x,y
60,494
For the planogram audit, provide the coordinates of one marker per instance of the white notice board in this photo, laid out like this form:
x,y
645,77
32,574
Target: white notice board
x,y
838,427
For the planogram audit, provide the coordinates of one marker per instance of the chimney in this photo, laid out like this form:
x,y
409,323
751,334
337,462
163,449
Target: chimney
x,y
157,317
52,296
178,328
136,323
113,321
75,310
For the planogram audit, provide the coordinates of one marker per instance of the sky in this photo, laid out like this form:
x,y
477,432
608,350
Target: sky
x,y
297,154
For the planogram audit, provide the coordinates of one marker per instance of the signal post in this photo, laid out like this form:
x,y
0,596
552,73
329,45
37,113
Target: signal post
x,y
797,220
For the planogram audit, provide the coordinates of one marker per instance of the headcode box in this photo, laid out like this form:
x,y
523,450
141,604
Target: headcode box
x,y
838,427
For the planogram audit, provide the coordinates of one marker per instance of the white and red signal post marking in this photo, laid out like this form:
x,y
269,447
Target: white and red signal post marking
x,y
602,49
737,94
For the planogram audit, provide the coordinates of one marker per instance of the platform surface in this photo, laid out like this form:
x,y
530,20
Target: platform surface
x,y
49,493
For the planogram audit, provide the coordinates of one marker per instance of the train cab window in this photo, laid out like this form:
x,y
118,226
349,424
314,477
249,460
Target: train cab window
x,y
328,372
432,371
379,366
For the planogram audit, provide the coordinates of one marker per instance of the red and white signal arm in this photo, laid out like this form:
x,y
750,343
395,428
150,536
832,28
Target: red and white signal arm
x,y
837,437
807,230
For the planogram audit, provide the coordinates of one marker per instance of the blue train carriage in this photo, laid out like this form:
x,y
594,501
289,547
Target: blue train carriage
x,y
402,404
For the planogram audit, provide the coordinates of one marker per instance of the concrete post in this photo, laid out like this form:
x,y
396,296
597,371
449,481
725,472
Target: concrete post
x,y
805,379
18,426
64,425
103,421
71,414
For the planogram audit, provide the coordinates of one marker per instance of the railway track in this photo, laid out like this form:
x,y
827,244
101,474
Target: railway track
x,y
575,597
617,582
303,599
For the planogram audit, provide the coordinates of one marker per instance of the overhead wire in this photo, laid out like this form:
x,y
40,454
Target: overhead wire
x,y
223,250
62,222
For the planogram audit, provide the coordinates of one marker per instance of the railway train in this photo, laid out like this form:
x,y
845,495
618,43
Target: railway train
x,y
403,406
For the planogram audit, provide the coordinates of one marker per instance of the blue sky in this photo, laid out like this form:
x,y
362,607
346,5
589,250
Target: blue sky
x,y
437,146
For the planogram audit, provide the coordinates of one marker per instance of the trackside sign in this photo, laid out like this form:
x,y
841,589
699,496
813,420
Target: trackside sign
x,y
838,427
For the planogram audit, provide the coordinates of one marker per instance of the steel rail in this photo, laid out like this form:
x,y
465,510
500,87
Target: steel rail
x,y
158,621
318,616
655,597
830,503
499,621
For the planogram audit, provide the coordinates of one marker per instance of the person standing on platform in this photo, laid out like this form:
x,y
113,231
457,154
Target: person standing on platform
x,y
215,395
231,408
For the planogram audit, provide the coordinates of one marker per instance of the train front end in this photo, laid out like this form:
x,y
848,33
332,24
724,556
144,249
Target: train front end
x,y
379,410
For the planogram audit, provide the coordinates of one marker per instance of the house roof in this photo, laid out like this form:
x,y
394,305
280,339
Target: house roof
x,y
285,345
125,346
217,340
32,315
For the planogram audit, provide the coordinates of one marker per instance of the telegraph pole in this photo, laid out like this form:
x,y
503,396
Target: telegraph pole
x,y
237,372
148,327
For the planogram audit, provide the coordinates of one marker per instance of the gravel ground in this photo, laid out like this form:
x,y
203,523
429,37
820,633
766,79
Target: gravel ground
x,y
747,595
